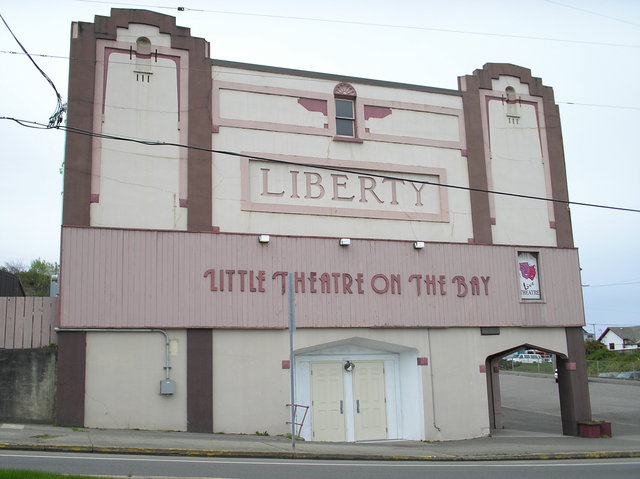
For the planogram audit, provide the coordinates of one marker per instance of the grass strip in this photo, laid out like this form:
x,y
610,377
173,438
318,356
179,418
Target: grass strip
x,y
24,474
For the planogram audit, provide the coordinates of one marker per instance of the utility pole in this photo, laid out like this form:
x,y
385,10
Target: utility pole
x,y
292,369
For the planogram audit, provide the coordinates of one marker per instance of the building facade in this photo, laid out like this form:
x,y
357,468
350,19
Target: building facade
x,y
363,202
621,338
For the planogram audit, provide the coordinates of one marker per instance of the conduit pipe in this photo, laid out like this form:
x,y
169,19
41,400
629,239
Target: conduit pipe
x,y
167,363
433,393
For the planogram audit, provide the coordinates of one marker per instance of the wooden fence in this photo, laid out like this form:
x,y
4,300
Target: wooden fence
x,y
27,322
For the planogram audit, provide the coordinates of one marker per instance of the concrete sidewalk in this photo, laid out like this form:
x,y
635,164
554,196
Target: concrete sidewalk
x,y
503,445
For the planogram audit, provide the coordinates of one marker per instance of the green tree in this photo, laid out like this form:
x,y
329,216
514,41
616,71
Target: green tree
x,y
36,280
591,346
603,355
41,266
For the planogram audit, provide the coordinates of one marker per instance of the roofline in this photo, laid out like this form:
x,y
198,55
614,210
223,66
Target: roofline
x,y
334,77
613,330
605,332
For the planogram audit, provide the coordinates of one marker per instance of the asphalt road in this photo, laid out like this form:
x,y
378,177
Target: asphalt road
x,y
149,466
533,404
529,404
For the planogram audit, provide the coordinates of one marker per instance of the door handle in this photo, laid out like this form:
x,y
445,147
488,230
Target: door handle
x,y
358,406
341,410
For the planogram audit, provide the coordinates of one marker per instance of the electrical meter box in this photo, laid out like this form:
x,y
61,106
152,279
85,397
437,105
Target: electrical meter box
x,y
167,387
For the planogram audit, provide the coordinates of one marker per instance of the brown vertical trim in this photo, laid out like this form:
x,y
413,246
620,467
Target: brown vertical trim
x,y
494,397
78,158
558,171
476,161
199,179
573,384
199,380
72,354
481,79
78,151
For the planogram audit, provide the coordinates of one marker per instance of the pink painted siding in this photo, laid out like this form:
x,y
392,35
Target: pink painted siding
x,y
128,278
27,322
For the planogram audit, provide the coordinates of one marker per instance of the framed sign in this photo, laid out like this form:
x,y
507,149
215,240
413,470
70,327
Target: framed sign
x,y
529,276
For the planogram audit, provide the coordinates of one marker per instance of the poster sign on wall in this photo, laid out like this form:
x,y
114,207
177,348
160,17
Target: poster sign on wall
x,y
529,276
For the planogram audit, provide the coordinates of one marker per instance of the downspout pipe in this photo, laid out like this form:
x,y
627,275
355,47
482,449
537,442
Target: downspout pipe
x,y
167,364
433,393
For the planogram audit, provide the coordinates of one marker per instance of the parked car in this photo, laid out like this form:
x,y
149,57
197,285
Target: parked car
x,y
608,375
528,358
629,375
546,357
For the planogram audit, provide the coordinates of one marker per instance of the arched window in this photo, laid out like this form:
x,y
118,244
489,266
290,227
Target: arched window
x,y
143,59
513,113
345,99
143,46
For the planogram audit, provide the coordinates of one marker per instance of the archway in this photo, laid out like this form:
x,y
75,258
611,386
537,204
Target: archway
x,y
492,366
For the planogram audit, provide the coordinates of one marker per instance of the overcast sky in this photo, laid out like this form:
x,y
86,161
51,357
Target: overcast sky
x,y
587,50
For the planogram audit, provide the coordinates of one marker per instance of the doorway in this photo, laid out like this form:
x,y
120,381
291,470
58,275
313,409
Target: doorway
x,y
348,395
384,384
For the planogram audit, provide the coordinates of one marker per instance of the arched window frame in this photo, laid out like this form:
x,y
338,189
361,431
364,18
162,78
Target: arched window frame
x,y
143,60
345,106
143,46
513,105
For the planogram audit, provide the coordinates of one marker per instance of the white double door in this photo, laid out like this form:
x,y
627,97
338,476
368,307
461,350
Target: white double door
x,y
348,404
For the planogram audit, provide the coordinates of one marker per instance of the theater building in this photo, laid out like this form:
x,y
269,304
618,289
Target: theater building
x,y
368,200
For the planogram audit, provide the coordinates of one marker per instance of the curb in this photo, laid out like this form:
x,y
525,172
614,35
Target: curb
x,y
317,456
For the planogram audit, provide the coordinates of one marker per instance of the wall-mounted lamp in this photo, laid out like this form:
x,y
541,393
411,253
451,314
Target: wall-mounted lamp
x,y
263,238
345,242
418,244
348,366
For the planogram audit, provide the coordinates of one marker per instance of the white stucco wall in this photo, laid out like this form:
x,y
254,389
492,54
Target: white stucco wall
x,y
283,80
138,185
277,94
264,107
416,124
251,395
123,374
518,163
136,30
141,186
460,406
251,388
228,216
444,400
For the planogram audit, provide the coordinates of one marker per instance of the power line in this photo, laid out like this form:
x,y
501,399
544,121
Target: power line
x,y
32,124
595,105
43,55
370,24
593,13
274,75
56,118
611,284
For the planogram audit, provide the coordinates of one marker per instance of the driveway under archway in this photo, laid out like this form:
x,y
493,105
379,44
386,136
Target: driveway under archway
x,y
573,387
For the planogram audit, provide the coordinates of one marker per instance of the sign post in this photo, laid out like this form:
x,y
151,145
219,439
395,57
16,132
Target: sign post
x,y
292,369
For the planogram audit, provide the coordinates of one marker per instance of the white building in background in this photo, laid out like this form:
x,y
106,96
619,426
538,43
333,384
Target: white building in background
x,y
175,260
621,338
